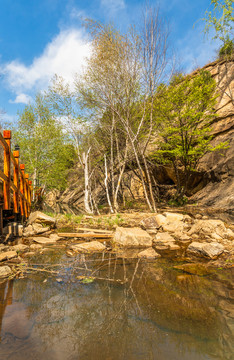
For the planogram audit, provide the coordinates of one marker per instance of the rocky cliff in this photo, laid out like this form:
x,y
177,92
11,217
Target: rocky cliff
x,y
216,170
213,182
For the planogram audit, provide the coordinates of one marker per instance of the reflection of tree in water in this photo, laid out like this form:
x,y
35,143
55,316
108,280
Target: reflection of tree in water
x,y
155,314
6,290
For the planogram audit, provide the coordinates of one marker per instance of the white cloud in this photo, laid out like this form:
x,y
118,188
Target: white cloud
x,y
113,5
64,55
21,99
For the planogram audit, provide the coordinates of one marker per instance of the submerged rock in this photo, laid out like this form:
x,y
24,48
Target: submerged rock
x,y
5,271
195,269
205,249
92,246
35,247
132,237
148,254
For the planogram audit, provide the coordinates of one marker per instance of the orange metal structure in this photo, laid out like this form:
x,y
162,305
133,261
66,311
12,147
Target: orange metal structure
x,y
16,186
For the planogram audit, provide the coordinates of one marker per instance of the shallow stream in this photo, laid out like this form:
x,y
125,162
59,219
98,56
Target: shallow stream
x,y
110,308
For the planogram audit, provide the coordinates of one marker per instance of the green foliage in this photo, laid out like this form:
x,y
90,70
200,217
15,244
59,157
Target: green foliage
x,y
227,49
183,112
45,149
178,201
220,19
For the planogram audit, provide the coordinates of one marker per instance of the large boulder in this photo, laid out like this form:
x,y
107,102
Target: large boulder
x,y
132,238
194,269
172,222
205,249
41,218
92,246
212,228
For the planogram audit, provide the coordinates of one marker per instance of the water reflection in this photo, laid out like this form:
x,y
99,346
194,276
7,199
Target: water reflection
x,y
147,311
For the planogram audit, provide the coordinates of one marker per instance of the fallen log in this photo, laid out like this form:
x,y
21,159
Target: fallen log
x,y
86,235
95,230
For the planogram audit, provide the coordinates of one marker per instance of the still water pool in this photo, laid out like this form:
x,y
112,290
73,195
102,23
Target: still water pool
x,y
108,307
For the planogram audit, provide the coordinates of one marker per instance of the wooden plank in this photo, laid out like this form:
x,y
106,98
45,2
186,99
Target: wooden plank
x,y
13,159
3,176
3,142
13,187
95,230
7,170
82,235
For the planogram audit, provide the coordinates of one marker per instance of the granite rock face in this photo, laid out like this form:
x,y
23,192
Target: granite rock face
x,y
132,237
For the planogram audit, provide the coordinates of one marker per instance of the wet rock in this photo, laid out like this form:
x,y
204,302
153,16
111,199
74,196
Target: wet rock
x,y
8,255
173,246
149,223
55,237
92,246
44,240
162,246
39,217
132,237
195,269
210,250
208,227
148,254
28,254
20,247
5,271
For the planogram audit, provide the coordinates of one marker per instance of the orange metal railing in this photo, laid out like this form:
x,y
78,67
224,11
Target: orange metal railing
x,y
16,181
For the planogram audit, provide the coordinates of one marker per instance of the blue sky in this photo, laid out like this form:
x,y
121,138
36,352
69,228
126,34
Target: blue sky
x,y
39,38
